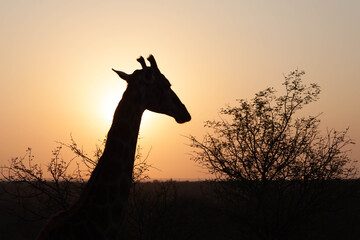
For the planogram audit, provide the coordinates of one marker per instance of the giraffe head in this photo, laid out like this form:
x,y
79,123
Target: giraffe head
x,y
155,90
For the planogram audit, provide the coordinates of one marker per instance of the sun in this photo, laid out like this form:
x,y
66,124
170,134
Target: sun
x,y
146,119
107,109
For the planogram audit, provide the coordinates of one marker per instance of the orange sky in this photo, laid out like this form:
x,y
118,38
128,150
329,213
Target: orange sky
x,y
56,59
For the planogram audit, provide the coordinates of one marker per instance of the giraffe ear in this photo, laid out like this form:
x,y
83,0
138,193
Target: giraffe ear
x,y
123,75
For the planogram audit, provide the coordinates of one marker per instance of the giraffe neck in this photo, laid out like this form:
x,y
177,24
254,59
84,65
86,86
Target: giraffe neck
x,y
107,191
123,134
100,209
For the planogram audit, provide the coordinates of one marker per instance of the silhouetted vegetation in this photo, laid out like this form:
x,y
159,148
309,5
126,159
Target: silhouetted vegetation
x,y
277,178
274,167
191,210
40,193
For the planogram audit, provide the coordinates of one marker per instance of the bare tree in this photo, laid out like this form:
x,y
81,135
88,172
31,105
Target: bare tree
x,y
267,155
41,193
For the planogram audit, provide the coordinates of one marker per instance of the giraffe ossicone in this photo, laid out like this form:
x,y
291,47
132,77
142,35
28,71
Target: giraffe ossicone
x,y
100,209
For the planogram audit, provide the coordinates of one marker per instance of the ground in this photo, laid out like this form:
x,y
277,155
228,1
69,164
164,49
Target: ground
x,y
194,210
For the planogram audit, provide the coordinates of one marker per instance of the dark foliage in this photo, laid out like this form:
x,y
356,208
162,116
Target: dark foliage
x,y
272,161
38,194
191,210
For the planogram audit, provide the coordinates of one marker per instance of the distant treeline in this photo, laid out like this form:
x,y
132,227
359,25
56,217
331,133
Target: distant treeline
x,y
198,210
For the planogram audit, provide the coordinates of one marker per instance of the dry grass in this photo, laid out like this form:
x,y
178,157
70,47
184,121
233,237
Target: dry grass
x,y
192,210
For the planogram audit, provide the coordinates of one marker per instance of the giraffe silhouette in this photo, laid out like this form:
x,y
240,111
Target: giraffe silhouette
x,y
99,212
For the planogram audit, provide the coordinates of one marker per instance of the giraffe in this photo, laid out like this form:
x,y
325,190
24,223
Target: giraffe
x,y
99,211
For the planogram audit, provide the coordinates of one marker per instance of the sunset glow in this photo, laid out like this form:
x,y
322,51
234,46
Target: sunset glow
x,y
57,56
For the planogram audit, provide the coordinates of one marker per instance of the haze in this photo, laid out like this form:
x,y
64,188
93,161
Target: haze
x,y
56,60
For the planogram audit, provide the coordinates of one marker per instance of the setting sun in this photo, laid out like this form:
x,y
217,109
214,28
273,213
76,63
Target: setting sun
x,y
107,107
